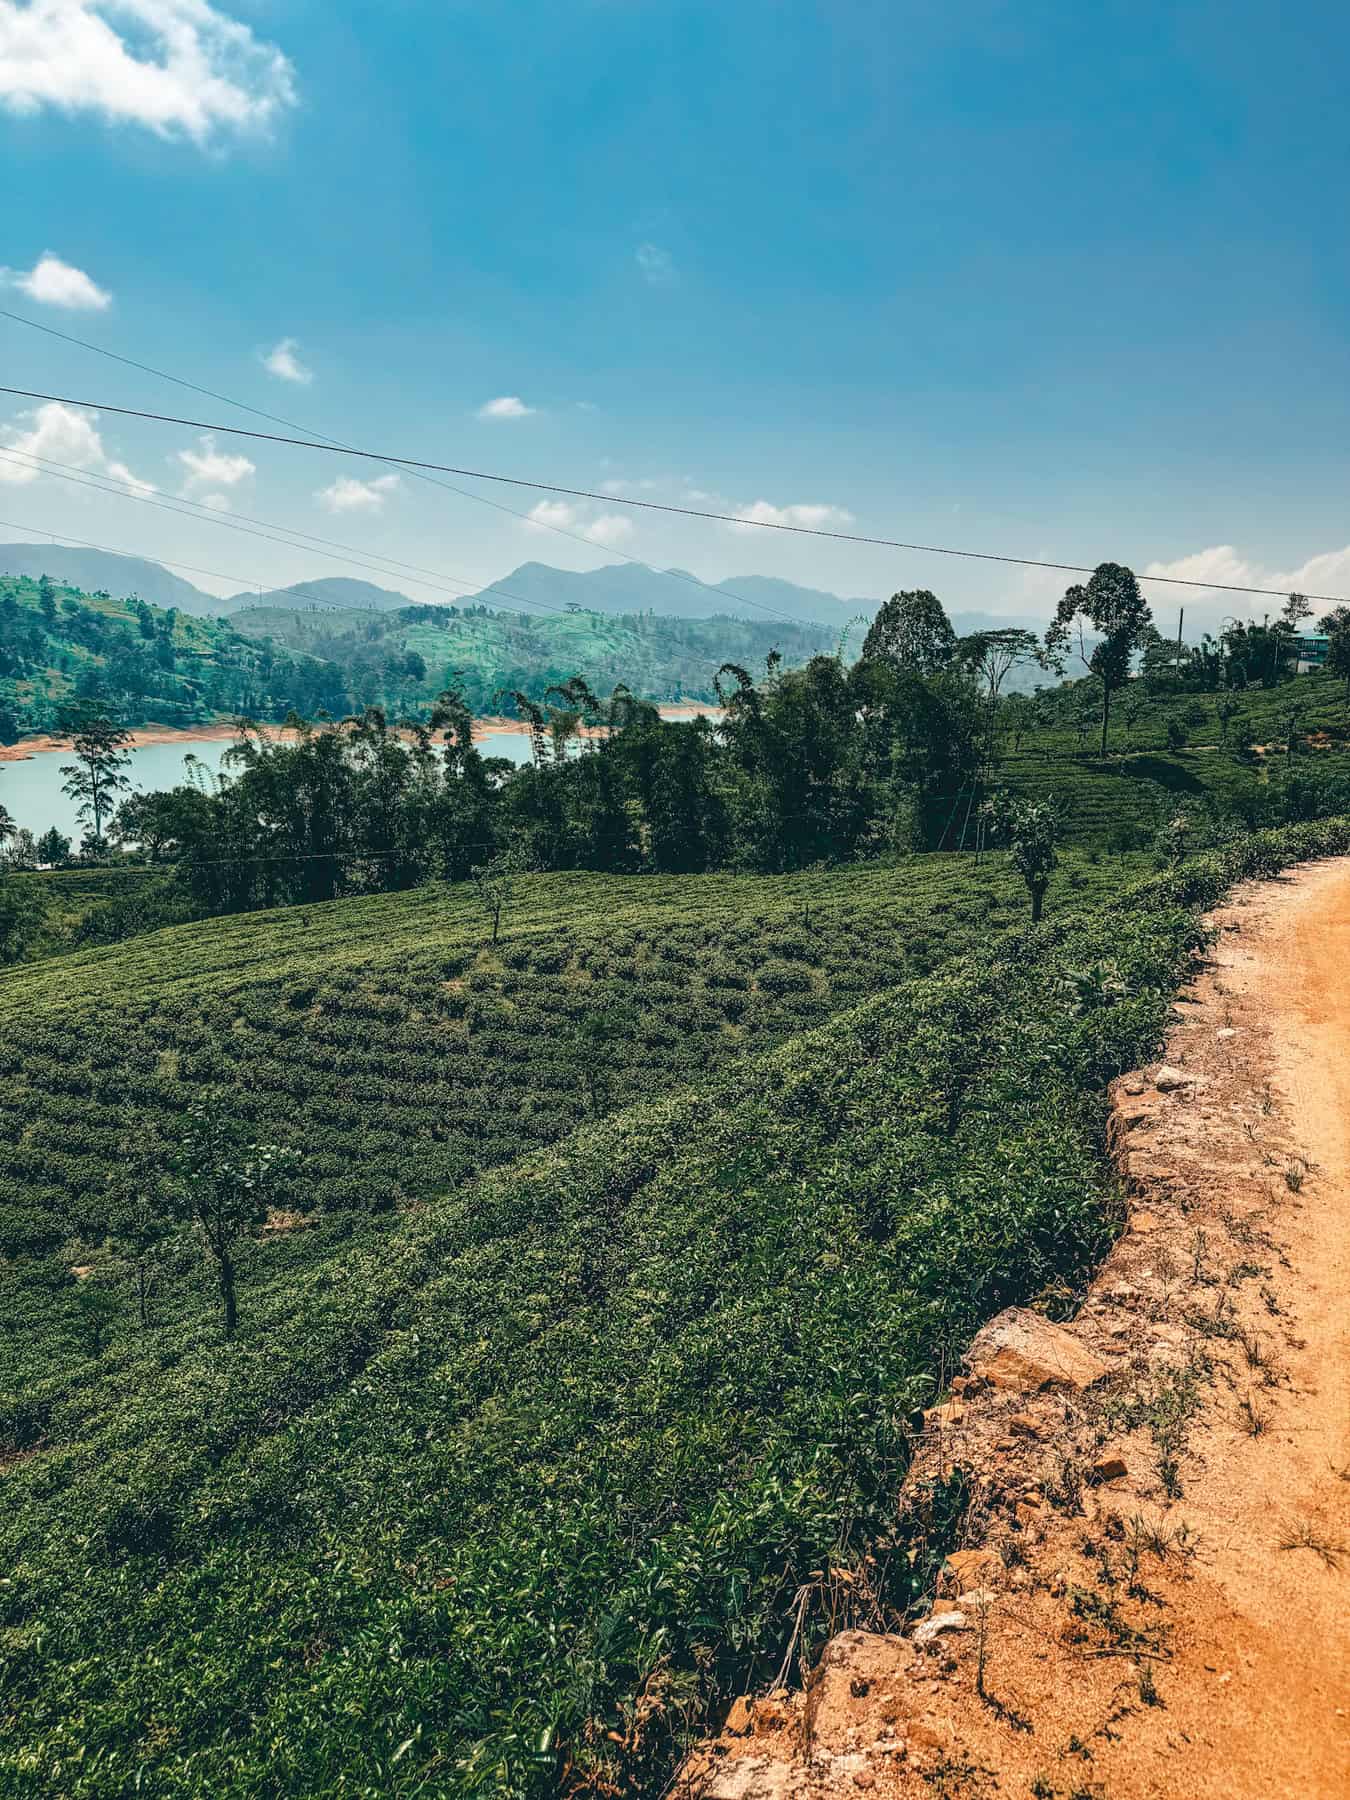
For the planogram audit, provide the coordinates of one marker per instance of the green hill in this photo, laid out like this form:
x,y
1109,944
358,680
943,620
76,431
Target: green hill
x,y
60,646
528,1440
400,660
408,1061
142,664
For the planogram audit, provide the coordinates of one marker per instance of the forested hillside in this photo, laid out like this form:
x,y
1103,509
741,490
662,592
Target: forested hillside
x,y
60,646
400,660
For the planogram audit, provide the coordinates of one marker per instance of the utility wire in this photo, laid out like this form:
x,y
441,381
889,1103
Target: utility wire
x,y
110,550
721,593
462,587
660,506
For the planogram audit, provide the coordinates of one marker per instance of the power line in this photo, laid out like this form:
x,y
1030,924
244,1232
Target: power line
x,y
462,587
661,506
420,474
110,550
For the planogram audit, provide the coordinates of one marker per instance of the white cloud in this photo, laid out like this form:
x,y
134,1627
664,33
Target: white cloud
x,y
216,502
1328,572
656,264
553,512
609,528
209,467
508,406
52,282
1221,562
120,472
60,434
347,494
177,67
602,528
806,516
283,362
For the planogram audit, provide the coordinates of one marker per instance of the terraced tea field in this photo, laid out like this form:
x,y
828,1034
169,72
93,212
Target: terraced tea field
x,y
508,1492
398,1054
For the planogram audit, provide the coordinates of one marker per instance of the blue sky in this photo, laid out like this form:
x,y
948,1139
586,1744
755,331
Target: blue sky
x,y
1060,280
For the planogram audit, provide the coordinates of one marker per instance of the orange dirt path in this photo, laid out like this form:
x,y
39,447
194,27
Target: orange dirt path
x,y
1161,1592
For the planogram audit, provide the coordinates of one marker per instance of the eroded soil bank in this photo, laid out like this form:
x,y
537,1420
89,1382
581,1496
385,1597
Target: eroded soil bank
x,y
1154,1599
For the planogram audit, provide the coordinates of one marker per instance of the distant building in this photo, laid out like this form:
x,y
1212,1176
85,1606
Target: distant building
x,y
1312,652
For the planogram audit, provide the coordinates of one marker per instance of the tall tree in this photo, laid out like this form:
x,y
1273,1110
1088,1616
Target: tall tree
x,y
1112,604
96,777
1336,625
54,848
912,631
989,657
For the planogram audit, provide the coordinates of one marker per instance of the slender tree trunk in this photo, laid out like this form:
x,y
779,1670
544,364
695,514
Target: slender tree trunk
x,y
1106,716
1037,902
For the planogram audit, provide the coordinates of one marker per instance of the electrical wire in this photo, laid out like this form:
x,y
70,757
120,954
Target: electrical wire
x,y
660,506
462,587
610,551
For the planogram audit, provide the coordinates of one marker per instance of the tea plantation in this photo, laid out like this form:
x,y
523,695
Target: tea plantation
x,y
508,1492
383,1039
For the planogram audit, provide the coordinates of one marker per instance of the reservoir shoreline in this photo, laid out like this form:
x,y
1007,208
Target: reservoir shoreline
x,y
42,743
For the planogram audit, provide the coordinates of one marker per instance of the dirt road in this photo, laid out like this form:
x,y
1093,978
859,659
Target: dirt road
x,y
1155,1600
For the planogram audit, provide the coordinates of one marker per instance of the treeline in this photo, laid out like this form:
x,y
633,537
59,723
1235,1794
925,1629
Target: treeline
x,y
899,751
818,765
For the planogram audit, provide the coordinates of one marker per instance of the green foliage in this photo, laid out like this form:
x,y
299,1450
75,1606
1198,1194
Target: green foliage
x,y
1031,829
912,632
1116,610
221,1188
382,1039
564,1438
138,663
96,776
488,654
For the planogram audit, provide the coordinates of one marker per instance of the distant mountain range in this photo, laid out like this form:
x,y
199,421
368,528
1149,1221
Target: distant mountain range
x,y
100,570
616,588
328,594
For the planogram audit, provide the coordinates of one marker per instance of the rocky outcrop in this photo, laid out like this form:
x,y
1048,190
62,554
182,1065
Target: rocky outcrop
x,y
1022,1351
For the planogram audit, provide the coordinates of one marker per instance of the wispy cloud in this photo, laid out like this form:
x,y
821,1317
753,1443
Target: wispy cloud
x,y
209,467
60,434
657,265
1326,572
52,282
609,528
805,515
181,68
284,362
606,529
347,494
553,512
507,406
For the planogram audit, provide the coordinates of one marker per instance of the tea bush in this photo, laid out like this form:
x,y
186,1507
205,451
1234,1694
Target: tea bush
x,y
557,1446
